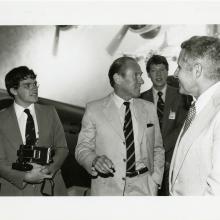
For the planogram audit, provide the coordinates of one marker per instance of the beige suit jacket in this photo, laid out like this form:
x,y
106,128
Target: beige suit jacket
x,y
197,170
102,134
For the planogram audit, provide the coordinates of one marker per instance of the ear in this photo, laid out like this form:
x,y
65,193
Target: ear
x,y
13,91
197,70
117,78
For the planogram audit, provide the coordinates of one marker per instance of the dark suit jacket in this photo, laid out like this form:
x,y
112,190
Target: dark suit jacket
x,y
51,133
174,102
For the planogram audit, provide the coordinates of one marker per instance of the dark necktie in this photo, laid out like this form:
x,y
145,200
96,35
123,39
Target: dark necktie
x,y
160,108
129,139
189,118
30,129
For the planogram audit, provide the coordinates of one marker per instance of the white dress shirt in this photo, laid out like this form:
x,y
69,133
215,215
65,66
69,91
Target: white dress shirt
x,y
204,98
200,103
156,97
121,111
22,119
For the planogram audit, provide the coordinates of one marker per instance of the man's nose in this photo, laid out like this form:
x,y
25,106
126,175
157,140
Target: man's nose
x,y
176,73
140,80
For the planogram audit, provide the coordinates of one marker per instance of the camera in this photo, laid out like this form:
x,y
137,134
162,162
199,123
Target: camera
x,y
32,154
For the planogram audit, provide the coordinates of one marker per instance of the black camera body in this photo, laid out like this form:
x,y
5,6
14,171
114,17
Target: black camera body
x,y
32,154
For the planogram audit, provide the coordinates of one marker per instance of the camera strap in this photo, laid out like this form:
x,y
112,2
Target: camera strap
x,y
51,186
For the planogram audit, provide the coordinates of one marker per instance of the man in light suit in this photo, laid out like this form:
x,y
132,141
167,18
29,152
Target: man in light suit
x,y
195,166
47,130
106,150
173,112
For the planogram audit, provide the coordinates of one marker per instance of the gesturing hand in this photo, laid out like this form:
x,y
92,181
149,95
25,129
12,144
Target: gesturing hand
x,y
103,164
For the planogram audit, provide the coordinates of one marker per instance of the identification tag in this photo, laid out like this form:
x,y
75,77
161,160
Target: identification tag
x,y
172,115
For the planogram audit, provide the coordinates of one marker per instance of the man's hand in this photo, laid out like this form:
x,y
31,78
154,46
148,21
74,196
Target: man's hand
x,y
45,170
36,175
103,164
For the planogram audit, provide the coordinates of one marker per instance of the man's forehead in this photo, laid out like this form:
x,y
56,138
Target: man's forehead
x,y
183,55
157,66
131,65
28,79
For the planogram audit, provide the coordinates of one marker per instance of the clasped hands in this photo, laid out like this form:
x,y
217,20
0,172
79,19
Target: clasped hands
x,y
102,164
37,174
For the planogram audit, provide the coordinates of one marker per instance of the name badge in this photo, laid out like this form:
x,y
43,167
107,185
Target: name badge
x,y
172,115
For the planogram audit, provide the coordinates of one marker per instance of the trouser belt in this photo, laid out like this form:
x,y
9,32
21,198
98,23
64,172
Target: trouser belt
x,y
137,172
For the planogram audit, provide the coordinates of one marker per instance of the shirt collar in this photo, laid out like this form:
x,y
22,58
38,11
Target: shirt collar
x,y
119,101
20,109
155,91
205,97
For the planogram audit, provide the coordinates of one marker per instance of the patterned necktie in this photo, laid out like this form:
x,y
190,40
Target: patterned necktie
x,y
160,108
129,139
30,134
190,116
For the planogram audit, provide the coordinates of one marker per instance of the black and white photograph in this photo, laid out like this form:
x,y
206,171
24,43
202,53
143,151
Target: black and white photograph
x,y
110,110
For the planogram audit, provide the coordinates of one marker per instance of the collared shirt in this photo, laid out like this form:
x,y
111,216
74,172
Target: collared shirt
x,y
121,110
155,95
22,119
200,103
204,98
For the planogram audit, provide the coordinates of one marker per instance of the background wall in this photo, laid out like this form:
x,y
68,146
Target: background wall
x,y
77,74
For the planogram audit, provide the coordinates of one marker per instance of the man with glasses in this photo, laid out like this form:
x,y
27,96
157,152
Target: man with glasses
x,y
28,123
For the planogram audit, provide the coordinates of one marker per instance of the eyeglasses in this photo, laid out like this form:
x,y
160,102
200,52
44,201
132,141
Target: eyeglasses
x,y
30,85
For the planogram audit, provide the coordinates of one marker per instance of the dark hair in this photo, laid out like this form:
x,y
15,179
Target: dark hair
x,y
157,59
116,67
13,77
199,47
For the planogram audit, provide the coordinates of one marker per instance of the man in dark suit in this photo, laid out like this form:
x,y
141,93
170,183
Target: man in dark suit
x,y
171,109
26,122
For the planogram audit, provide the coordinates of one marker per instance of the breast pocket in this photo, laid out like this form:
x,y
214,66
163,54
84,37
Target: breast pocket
x,y
149,129
149,134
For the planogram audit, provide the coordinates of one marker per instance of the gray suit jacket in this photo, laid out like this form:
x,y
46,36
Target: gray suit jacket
x,y
51,133
174,104
102,134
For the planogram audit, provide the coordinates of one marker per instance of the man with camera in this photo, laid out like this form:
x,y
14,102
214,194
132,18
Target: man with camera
x,y
28,132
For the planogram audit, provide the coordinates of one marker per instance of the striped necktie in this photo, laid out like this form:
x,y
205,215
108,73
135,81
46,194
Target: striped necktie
x,y
160,108
129,139
30,134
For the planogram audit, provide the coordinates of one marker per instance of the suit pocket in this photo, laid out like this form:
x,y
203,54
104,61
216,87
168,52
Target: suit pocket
x,y
150,125
152,186
149,131
146,185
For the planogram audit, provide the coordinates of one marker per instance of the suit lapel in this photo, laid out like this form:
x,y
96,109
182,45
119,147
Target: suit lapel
x,y
150,96
200,122
168,99
40,122
112,115
140,116
12,128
